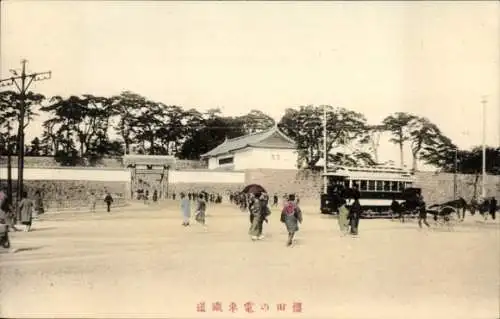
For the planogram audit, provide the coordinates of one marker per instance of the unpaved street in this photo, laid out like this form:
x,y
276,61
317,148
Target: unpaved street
x,y
145,264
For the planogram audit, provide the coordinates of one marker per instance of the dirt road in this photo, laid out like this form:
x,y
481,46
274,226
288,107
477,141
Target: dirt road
x,y
145,264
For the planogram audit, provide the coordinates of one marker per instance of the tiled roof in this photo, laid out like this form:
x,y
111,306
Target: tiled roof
x,y
261,139
148,160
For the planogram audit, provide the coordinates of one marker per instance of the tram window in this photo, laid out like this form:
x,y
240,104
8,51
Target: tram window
x,y
346,184
387,186
401,186
394,187
371,185
363,186
380,186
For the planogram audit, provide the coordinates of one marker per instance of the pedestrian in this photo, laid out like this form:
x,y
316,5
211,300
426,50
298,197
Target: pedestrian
x,y
93,201
493,208
201,207
155,196
473,206
343,218
108,200
275,200
397,210
186,209
6,212
256,216
173,196
38,210
26,209
354,216
291,216
422,212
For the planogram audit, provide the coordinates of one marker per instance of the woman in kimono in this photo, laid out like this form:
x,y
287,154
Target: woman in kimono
x,y
343,219
291,216
354,216
186,209
255,206
201,207
26,209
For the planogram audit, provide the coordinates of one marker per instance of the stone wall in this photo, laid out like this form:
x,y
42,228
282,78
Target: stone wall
x,y
63,194
435,187
214,188
440,187
306,184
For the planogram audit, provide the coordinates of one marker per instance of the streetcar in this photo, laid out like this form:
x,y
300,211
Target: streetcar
x,y
376,188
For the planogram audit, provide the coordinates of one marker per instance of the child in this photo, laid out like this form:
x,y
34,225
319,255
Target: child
x,y
291,216
186,209
26,209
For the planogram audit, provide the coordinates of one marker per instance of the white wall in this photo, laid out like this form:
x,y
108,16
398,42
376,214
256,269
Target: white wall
x,y
263,158
74,174
206,177
252,158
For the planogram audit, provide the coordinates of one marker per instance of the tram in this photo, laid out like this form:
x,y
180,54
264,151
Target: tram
x,y
376,188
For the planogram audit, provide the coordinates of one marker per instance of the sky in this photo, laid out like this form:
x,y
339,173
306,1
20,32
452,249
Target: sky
x,y
432,59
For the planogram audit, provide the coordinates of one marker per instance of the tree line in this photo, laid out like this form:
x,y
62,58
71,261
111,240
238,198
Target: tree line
x,y
84,129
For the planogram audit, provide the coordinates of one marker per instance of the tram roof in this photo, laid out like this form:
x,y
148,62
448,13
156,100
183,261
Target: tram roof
x,y
368,171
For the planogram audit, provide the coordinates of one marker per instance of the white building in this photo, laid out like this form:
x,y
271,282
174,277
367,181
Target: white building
x,y
270,149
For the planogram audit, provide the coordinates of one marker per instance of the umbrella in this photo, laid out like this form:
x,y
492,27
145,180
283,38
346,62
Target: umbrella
x,y
253,189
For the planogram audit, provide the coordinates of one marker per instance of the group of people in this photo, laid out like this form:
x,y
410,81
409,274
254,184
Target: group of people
x,y
258,206
242,199
28,209
200,209
108,200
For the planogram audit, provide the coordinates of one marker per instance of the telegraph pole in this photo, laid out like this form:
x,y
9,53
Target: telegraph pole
x,y
325,169
483,186
455,186
25,82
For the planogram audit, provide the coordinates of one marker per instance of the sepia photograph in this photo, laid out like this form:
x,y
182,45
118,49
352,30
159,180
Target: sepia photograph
x,y
249,159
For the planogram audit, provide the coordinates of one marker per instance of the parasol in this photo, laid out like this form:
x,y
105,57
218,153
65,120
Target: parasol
x,y
253,189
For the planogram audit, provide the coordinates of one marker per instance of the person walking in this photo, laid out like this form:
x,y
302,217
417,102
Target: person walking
x,y
422,212
93,201
256,217
473,206
291,216
26,210
354,216
186,209
397,210
108,200
6,211
201,207
343,218
38,209
493,208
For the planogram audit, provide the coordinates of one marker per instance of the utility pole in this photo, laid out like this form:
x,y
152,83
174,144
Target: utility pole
x,y
325,163
483,186
26,80
455,186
